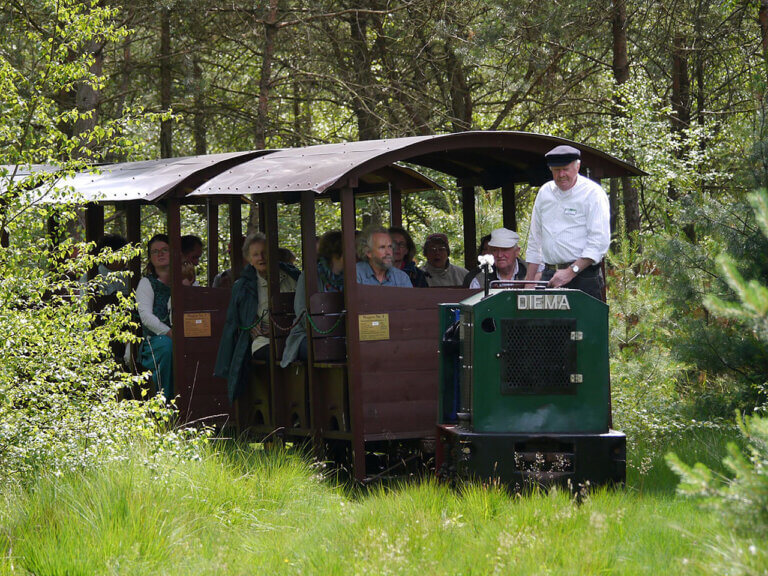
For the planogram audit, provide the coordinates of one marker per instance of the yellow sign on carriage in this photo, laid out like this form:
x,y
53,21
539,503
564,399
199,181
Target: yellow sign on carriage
x,y
197,325
374,326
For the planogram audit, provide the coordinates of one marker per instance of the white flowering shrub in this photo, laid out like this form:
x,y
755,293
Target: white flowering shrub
x,y
59,383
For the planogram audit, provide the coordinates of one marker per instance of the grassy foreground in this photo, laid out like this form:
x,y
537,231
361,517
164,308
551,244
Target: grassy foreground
x,y
249,512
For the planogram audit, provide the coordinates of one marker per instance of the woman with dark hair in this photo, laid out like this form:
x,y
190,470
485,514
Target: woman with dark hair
x,y
246,330
330,278
482,249
191,251
403,252
153,297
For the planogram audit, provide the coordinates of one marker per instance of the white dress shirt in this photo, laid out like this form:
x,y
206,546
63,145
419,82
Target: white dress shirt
x,y
568,225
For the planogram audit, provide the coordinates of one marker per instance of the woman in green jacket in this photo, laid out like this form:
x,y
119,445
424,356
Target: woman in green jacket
x,y
246,330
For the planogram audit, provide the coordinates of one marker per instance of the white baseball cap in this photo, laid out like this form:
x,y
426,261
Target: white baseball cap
x,y
503,238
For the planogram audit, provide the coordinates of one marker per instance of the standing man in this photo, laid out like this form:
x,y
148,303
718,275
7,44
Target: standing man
x,y
376,260
507,265
570,227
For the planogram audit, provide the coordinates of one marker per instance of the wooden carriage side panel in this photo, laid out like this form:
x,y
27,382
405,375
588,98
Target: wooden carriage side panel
x,y
293,410
201,395
399,374
329,340
281,321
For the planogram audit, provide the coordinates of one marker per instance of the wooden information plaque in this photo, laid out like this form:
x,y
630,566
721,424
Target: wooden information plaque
x,y
197,325
374,326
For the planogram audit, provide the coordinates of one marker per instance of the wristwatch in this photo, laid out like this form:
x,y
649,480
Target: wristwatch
x,y
575,269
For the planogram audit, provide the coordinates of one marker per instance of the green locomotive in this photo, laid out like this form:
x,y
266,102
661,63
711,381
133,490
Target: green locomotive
x,y
525,390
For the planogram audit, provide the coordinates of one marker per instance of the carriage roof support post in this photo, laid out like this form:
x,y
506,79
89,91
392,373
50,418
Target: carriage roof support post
x,y
309,265
133,233
94,229
235,232
269,218
395,207
309,242
470,226
212,215
509,206
177,307
354,369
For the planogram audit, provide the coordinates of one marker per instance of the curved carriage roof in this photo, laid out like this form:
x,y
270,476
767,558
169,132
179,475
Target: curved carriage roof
x,y
147,180
479,158
151,180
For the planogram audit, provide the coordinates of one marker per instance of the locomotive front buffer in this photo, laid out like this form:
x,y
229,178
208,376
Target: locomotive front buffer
x,y
525,390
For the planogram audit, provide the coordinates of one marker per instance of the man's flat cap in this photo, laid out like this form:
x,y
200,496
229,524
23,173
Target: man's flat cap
x,y
562,156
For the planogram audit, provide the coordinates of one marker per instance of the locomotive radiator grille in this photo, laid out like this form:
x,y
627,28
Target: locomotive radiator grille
x,y
538,356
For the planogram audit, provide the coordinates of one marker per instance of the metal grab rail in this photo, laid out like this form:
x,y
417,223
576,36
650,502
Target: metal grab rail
x,y
537,284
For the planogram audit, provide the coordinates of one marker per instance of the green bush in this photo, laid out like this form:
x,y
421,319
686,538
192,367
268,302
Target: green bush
x,y
59,407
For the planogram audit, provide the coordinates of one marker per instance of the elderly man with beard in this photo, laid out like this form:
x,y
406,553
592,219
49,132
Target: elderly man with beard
x,y
507,264
570,226
376,260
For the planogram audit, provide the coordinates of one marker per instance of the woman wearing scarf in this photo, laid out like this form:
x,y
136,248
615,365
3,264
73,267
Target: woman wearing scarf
x,y
330,278
403,252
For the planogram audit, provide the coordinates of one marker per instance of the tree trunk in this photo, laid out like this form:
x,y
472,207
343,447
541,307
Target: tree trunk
x,y
461,97
87,99
681,106
166,126
620,57
621,75
363,100
199,120
762,16
265,78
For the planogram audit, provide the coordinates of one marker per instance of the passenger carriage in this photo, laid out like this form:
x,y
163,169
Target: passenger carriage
x,y
372,383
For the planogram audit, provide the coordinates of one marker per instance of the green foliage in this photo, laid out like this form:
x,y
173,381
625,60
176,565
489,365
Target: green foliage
x,y
59,382
651,387
741,500
724,353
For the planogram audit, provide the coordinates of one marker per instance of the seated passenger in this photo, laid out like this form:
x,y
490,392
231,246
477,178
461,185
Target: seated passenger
x,y
403,251
438,269
153,297
113,284
375,266
224,279
482,249
288,262
191,250
506,255
330,278
246,330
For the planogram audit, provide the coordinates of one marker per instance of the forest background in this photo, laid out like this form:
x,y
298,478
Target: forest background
x,y
676,87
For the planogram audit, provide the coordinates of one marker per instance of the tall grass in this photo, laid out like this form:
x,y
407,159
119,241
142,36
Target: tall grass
x,y
246,511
